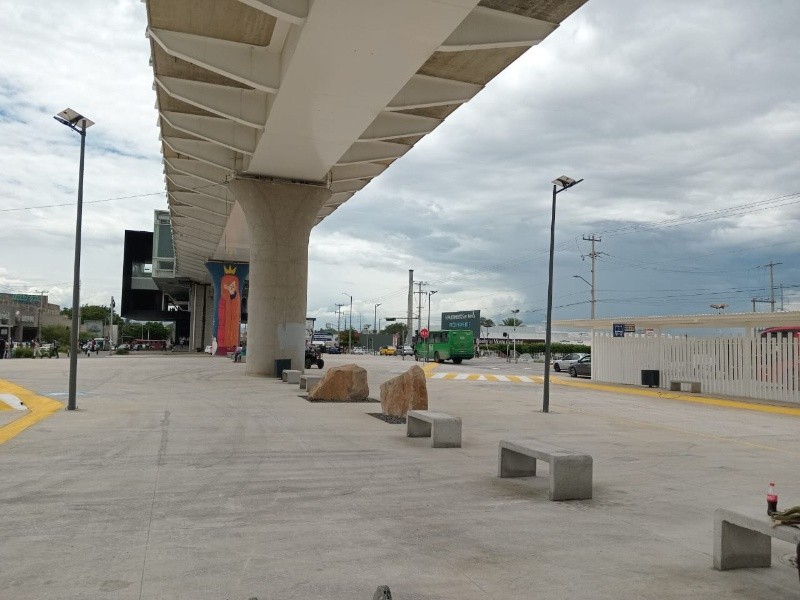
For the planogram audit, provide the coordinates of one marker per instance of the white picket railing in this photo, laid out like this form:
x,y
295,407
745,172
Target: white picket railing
x,y
766,369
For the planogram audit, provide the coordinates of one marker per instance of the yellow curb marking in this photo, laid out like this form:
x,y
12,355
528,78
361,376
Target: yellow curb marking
x,y
739,404
663,395
429,367
39,407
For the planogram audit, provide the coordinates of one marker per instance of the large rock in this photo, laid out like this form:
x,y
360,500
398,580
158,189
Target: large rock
x,y
347,383
405,392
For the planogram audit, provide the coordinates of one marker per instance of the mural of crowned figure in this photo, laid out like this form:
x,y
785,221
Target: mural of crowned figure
x,y
228,280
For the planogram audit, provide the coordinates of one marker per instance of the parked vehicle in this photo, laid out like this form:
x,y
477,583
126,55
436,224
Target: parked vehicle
x,y
387,351
333,350
359,350
563,364
581,367
455,345
313,358
405,351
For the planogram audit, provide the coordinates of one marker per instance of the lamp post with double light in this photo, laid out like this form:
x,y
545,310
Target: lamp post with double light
x,y
564,183
80,124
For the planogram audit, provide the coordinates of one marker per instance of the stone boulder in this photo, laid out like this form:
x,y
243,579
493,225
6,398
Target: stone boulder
x,y
347,383
405,392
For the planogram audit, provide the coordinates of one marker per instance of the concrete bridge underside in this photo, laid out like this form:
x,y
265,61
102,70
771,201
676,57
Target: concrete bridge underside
x,y
273,113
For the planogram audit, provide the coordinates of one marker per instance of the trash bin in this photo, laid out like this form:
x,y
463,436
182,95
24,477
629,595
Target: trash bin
x,y
651,377
281,365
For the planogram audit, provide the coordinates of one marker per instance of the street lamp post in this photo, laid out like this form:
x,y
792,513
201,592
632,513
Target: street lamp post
x,y
350,329
515,312
564,183
428,339
79,123
591,286
375,319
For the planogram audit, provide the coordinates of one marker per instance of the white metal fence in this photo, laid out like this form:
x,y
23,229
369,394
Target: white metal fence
x,y
767,369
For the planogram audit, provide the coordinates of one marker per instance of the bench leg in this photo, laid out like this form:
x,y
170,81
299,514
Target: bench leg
x,y
571,478
417,427
694,388
738,547
674,386
514,464
447,433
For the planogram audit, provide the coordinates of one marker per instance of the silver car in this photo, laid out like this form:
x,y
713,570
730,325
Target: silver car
x,y
581,367
563,364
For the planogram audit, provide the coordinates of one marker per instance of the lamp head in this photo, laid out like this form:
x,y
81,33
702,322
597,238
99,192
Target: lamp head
x,y
73,118
564,181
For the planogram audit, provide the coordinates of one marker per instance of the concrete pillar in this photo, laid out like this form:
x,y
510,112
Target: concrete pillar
x,y
280,217
201,306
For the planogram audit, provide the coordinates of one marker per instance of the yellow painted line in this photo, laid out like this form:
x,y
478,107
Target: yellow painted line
x,y
711,401
39,407
664,395
4,406
429,367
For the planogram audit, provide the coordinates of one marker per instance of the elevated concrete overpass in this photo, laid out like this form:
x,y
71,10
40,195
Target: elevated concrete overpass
x,y
273,113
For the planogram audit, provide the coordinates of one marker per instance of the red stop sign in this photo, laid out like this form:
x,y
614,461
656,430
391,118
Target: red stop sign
x,y
423,333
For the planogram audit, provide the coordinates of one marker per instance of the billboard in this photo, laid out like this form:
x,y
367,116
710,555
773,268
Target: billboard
x,y
465,319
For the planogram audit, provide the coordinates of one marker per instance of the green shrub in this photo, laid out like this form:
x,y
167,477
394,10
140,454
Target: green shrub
x,y
121,351
23,352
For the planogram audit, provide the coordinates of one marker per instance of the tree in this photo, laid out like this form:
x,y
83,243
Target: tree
x,y
59,333
152,330
344,338
486,322
93,312
512,322
399,328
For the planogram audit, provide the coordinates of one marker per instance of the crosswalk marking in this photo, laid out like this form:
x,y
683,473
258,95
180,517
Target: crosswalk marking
x,y
482,377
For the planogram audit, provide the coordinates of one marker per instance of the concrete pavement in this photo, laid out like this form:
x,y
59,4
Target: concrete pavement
x,y
178,477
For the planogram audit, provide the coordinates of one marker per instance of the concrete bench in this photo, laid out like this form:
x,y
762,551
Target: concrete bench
x,y
307,382
570,472
444,430
743,541
675,385
290,376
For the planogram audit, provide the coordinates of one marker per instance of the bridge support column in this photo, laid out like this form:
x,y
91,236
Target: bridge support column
x,y
280,217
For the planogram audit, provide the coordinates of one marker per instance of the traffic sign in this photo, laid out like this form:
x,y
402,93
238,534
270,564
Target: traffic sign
x,y
619,329
423,333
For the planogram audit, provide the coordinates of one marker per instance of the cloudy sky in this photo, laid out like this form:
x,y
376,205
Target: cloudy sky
x,y
682,117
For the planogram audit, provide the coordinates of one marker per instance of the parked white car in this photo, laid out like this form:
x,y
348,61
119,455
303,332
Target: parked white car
x,y
563,364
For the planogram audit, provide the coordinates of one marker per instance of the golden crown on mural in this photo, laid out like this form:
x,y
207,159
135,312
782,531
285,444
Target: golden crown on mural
x,y
229,270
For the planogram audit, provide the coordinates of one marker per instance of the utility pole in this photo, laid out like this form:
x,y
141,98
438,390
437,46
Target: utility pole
x,y
39,315
419,311
771,267
338,322
410,312
593,255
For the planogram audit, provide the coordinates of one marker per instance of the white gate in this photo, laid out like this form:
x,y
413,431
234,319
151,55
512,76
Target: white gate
x,y
766,369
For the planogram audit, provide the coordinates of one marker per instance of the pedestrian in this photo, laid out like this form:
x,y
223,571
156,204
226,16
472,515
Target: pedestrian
x,y
87,349
2,347
10,349
96,348
37,349
55,349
